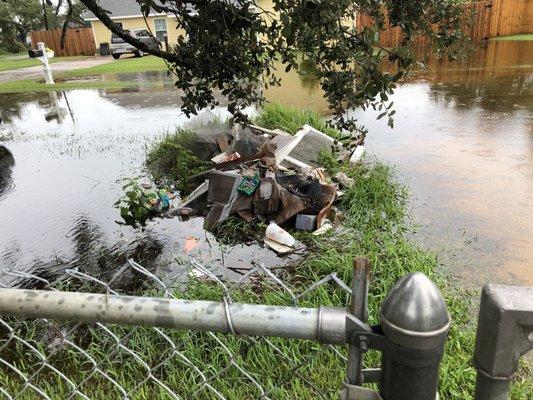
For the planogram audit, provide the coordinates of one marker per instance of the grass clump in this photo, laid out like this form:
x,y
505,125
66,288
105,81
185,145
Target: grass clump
x,y
289,119
123,65
235,230
173,159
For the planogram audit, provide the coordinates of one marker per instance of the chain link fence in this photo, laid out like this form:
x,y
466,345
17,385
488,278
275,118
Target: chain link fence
x,y
65,360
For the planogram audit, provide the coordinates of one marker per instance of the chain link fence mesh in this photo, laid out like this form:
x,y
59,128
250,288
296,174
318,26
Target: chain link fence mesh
x,y
66,360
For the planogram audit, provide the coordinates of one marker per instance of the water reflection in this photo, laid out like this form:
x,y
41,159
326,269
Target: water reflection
x,y
92,255
463,141
72,154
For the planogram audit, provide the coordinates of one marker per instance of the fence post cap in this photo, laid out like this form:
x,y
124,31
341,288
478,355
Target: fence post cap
x,y
414,313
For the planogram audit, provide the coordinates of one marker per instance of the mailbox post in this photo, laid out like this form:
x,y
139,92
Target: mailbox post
x,y
49,79
41,55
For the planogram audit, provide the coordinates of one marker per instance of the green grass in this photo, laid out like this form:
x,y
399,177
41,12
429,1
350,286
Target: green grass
x,y
527,36
126,65
8,63
30,85
289,119
6,55
122,65
173,159
376,226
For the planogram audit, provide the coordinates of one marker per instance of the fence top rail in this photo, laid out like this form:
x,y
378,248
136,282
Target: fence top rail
x,y
321,324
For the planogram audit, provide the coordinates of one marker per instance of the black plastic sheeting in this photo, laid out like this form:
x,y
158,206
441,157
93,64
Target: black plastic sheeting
x,y
307,189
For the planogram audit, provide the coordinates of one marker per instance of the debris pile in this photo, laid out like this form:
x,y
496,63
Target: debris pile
x,y
268,175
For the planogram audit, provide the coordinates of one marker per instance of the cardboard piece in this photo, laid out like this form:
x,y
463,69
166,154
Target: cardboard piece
x,y
330,193
222,194
290,206
278,247
223,144
267,197
196,195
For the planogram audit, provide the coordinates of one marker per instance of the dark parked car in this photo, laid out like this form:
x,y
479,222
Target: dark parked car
x,y
119,46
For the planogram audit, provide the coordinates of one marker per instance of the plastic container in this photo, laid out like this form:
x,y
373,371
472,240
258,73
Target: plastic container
x,y
105,49
280,235
306,222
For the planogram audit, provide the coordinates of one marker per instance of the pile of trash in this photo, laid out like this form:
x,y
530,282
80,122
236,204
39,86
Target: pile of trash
x,y
269,175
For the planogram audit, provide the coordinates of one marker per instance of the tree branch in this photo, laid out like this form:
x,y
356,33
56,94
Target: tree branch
x,y
67,20
5,21
101,14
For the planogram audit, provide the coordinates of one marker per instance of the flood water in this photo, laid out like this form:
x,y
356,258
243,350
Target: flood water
x,y
70,153
463,141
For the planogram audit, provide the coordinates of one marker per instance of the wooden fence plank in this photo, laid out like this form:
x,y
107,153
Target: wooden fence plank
x,y
490,18
77,41
511,17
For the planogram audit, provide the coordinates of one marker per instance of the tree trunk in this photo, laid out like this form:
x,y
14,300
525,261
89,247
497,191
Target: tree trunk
x,y
45,16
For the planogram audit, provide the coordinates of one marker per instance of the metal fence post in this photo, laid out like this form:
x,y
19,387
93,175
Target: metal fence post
x,y
361,270
415,321
504,333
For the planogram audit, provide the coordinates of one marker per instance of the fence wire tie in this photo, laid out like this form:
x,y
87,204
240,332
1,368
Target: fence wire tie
x,y
228,314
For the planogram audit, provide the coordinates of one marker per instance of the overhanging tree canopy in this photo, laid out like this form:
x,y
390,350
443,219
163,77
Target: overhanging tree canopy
x,y
233,47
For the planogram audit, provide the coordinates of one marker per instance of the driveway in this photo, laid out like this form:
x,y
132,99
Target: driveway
x,y
60,66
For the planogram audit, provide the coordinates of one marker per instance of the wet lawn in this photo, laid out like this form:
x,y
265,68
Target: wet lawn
x,y
21,60
70,79
122,65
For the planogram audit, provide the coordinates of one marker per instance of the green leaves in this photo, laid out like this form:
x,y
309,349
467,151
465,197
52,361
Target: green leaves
x,y
136,205
231,48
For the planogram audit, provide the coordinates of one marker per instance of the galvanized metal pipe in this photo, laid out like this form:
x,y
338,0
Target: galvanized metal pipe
x,y
326,325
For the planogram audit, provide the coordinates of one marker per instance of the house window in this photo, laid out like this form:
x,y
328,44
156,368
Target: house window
x,y
160,28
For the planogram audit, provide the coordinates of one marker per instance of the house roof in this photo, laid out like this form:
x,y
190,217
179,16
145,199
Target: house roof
x,y
118,9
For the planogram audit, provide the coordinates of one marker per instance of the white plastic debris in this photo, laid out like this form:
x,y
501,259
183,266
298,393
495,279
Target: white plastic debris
x,y
146,184
277,234
357,155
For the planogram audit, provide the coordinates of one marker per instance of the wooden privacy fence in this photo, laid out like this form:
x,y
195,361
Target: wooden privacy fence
x,y
77,41
511,17
483,20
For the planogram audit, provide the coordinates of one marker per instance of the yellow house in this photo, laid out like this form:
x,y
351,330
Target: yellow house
x,y
127,13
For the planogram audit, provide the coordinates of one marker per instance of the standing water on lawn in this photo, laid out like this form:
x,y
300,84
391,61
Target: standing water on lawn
x,y
69,153
463,142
